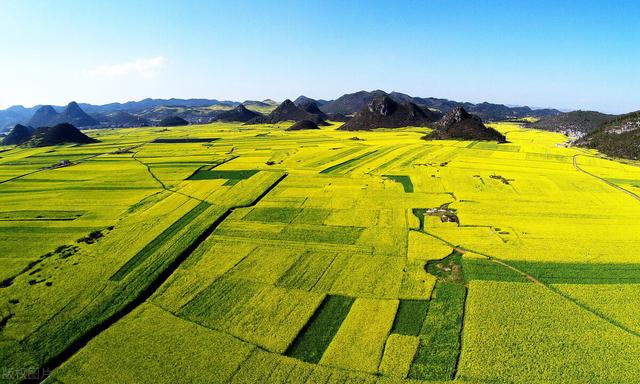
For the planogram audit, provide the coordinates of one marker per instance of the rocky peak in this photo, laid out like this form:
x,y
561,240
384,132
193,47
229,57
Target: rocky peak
x,y
456,115
460,113
241,108
311,107
287,104
383,106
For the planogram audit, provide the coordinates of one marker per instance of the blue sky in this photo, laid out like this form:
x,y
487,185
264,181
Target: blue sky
x,y
566,54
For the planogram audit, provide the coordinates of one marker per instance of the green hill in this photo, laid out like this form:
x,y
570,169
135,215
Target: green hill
x,y
576,122
618,137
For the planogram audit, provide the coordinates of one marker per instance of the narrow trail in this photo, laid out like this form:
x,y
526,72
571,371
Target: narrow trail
x,y
72,163
516,270
619,188
153,175
550,288
50,169
146,292
456,365
162,184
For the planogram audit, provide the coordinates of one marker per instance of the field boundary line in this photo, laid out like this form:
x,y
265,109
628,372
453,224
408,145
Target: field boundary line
x,y
255,348
619,188
50,169
145,293
162,184
516,270
228,159
368,250
549,287
461,333
597,313
324,273
258,348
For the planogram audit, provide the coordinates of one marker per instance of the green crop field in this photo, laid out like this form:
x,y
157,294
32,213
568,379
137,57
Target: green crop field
x,y
248,253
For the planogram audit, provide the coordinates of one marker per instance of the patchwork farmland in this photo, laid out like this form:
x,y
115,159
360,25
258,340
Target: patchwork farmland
x,y
234,253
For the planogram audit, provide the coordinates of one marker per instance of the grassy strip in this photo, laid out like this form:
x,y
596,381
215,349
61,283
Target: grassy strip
x,y
345,164
272,214
186,140
418,154
574,273
410,317
402,179
208,167
316,336
315,234
214,174
334,157
156,243
419,213
554,273
484,269
307,271
437,355
448,269
29,215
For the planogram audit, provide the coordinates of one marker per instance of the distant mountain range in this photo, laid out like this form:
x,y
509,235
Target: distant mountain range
x,y
121,119
353,102
613,135
43,116
151,111
136,106
575,123
617,136
138,113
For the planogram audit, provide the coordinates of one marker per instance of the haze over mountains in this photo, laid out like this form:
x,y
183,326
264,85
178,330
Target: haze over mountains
x,y
122,119
151,111
353,102
363,110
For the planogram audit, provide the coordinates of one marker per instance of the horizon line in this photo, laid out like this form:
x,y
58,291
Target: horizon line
x,y
222,100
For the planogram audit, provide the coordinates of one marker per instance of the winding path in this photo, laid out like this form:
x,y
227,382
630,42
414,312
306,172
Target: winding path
x,y
535,281
619,188
50,168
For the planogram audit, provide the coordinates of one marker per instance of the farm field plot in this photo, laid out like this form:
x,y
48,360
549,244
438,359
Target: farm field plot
x,y
558,334
233,253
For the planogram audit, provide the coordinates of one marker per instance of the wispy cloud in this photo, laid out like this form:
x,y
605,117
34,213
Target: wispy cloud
x,y
141,67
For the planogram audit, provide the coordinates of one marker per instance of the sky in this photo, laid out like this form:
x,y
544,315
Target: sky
x,y
563,54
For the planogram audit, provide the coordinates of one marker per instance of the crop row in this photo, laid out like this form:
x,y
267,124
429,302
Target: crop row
x,y
437,355
169,234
